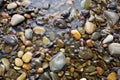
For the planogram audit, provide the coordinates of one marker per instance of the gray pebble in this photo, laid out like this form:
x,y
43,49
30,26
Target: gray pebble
x,y
12,5
28,33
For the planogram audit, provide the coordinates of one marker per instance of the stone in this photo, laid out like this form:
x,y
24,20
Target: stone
x,y
28,33
18,62
12,5
90,69
57,62
108,39
16,19
95,36
45,40
20,54
2,69
27,57
89,27
114,49
1,1
76,34
6,63
40,70
39,30
26,2
100,70
22,76
26,66
112,76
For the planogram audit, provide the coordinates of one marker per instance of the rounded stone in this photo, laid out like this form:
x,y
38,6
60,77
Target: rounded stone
x,y
89,27
12,5
95,36
18,62
76,34
108,39
20,54
28,33
27,57
39,30
112,76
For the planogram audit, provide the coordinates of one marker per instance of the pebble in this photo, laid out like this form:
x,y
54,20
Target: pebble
x,y
40,70
89,43
60,43
16,19
112,76
12,5
2,69
114,49
111,17
27,16
76,34
12,73
89,27
86,54
57,62
20,54
28,33
22,76
100,70
90,69
39,30
1,1
6,63
95,36
118,73
26,66
112,5
108,39
45,40
27,57
18,62
26,2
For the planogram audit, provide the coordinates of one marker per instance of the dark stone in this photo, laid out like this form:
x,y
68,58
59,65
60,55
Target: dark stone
x,y
112,5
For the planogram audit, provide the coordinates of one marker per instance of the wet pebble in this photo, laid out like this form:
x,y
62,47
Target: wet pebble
x,y
76,34
22,76
16,19
6,63
90,69
20,54
12,5
27,57
89,27
57,62
112,76
108,39
86,54
28,33
95,36
114,49
18,62
111,17
39,30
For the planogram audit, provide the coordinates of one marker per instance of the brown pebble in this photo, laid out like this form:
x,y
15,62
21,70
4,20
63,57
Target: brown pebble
x,y
112,76
105,45
76,34
100,70
5,15
40,70
26,66
27,16
39,30
89,43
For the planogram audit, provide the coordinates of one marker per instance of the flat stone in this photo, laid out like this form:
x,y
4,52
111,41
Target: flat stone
x,y
12,5
28,33
57,62
27,57
16,19
114,49
18,62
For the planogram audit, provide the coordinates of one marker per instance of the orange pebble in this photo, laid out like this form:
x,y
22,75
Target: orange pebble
x,y
76,34
26,66
27,16
89,43
100,70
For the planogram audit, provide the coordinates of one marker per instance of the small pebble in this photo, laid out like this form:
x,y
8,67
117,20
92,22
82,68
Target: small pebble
x,y
100,70
28,16
6,63
22,76
28,33
95,36
16,19
40,70
27,57
18,62
112,76
45,40
76,34
12,5
39,30
108,39
20,54
26,66
89,27
89,43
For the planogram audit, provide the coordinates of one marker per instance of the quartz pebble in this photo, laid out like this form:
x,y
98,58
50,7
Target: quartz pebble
x,y
18,62
20,54
57,62
22,76
112,76
16,19
12,5
39,30
76,34
27,57
89,27
114,49
108,39
28,33
6,63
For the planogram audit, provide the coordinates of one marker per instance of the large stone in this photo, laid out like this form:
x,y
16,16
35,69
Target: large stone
x,y
57,62
16,19
27,57
11,5
108,39
114,49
